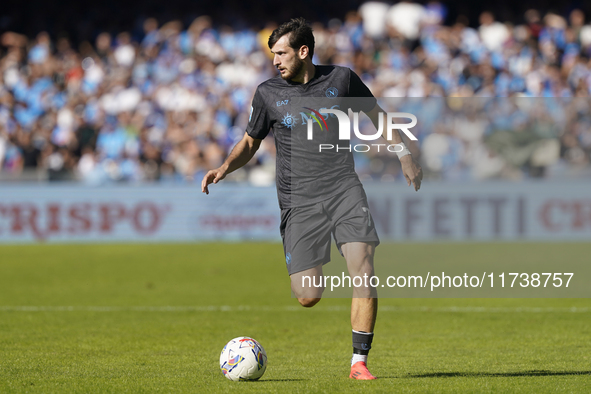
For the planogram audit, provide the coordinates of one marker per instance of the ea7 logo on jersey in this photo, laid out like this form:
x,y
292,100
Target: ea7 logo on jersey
x,y
282,102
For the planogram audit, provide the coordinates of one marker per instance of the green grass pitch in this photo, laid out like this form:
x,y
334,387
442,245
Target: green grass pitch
x,y
154,318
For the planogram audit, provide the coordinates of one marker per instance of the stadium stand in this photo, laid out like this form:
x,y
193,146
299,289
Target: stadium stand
x,y
168,103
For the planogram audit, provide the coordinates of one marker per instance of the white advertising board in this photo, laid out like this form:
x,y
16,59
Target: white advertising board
x,y
158,213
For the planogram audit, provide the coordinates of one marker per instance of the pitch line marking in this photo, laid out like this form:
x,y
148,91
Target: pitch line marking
x,y
288,308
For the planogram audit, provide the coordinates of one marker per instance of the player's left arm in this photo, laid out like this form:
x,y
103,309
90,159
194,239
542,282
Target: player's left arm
x,y
410,168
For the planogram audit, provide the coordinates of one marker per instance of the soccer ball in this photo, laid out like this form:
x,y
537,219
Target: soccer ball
x,y
243,358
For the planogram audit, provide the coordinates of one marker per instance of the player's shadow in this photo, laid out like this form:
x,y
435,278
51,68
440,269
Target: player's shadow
x,y
488,374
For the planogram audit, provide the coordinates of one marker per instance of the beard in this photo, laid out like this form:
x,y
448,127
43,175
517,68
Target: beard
x,y
294,70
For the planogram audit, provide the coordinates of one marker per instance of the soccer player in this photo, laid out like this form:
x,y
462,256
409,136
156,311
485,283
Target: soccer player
x,y
324,198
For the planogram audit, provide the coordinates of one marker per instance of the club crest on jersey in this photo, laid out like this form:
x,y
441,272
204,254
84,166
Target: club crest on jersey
x,y
289,121
332,93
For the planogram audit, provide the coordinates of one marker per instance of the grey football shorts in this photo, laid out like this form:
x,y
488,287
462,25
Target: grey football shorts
x,y
306,230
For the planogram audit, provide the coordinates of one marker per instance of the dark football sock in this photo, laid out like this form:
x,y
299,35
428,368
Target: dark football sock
x,y
362,342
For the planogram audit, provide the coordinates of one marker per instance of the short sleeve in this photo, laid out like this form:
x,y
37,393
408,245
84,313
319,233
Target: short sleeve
x,y
358,89
258,121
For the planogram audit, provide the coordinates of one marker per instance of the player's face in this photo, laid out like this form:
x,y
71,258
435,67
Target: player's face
x,y
286,59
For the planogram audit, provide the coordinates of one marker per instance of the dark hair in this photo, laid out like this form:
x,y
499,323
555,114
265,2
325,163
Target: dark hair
x,y
301,34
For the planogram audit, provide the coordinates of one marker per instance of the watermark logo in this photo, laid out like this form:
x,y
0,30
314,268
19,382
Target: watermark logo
x,y
345,129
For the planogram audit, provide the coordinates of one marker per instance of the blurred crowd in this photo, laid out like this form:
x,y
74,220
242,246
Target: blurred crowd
x,y
169,105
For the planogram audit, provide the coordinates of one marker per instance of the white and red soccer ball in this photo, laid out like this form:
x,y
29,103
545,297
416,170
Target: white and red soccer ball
x,y
243,358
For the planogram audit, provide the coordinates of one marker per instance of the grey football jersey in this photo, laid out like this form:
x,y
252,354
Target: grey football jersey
x,y
304,175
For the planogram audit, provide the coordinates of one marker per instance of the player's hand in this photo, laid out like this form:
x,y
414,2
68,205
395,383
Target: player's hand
x,y
412,171
212,176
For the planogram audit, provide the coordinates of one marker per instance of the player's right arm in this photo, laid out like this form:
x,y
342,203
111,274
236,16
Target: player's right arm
x,y
240,155
259,124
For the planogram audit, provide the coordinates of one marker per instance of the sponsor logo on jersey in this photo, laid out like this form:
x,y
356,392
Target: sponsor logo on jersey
x,y
317,117
282,102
